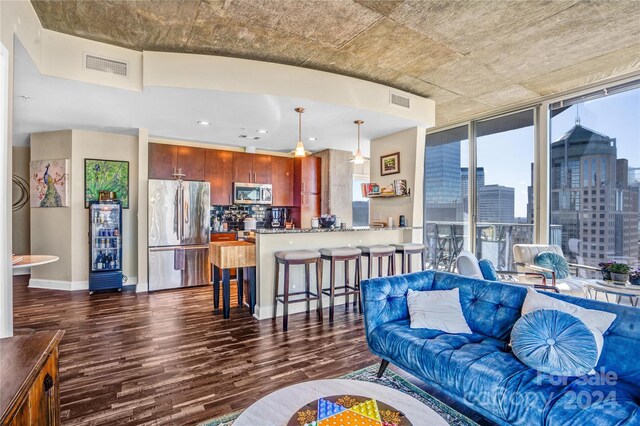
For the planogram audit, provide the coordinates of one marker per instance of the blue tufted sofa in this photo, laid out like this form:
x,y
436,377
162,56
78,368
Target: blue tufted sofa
x,y
479,371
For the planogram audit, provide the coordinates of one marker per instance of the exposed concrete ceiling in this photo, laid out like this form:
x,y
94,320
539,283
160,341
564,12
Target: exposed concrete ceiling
x,y
468,56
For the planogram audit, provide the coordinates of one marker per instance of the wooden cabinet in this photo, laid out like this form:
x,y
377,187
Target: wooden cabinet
x,y
307,184
310,175
307,175
30,383
309,208
165,159
251,168
191,161
219,174
223,236
261,168
282,181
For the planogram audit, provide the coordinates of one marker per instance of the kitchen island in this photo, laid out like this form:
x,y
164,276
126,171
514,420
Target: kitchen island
x,y
269,241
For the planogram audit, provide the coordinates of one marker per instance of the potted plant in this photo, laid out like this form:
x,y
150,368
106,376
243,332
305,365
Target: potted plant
x,y
634,277
619,272
604,267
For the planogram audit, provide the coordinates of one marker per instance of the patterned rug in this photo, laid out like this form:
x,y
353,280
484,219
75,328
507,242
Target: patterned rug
x,y
389,379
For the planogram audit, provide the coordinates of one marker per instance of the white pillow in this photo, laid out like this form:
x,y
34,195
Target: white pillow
x,y
596,321
437,310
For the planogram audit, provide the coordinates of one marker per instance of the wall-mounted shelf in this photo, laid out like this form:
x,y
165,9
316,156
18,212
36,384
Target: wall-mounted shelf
x,y
388,196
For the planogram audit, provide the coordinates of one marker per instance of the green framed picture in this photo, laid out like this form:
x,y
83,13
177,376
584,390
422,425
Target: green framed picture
x,y
106,175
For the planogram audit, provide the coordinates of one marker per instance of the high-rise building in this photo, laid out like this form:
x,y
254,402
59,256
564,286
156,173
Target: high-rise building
x,y
464,184
442,180
530,205
591,198
496,204
464,180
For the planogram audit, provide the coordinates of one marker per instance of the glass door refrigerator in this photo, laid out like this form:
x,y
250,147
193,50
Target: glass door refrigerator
x,y
105,245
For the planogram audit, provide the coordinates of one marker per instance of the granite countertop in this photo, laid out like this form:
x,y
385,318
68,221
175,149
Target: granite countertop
x,y
311,230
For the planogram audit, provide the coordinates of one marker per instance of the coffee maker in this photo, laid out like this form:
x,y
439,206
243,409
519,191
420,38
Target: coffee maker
x,y
278,216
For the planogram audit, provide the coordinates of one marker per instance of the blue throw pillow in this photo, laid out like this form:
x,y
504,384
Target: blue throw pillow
x,y
553,261
488,270
554,342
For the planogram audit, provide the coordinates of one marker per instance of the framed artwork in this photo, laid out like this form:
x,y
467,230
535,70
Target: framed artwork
x,y
390,164
106,175
49,183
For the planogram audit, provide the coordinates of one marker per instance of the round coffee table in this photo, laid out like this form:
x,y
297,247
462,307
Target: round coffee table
x,y
279,407
618,290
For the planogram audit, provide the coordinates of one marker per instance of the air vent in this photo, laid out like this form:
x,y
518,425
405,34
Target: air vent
x,y
111,66
399,100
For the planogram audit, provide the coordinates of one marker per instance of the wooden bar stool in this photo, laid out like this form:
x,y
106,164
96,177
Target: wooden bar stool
x,y
342,254
379,251
406,250
297,257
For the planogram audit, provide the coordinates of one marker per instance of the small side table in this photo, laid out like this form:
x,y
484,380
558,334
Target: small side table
x,y
224,256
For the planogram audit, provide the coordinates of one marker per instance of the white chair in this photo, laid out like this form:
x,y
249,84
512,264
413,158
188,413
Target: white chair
x,y
524,255
468,265
574,248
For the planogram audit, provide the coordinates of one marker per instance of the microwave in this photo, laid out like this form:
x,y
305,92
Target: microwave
x,y
252,193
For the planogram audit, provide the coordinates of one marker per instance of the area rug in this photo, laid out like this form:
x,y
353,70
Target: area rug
x,y
389,379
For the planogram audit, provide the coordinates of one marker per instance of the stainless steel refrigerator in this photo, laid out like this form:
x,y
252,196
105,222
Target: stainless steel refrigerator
x,y
178,234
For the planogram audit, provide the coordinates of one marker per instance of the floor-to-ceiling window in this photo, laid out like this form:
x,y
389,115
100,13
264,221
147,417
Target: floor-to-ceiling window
x,y
504,186
594,179
446,206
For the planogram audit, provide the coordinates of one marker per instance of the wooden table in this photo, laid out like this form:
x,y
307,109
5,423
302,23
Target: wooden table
x,y
226,255
29,260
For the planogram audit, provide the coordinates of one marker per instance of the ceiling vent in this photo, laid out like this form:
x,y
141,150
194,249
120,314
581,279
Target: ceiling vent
x,y
97,63
399,100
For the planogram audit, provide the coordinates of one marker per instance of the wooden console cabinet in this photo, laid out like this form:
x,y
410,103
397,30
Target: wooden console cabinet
x,y
30,384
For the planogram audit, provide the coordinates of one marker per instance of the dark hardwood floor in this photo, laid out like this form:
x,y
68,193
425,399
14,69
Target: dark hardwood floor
x,y
166,358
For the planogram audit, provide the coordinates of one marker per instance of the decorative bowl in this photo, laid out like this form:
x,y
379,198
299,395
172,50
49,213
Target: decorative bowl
x,y
327,220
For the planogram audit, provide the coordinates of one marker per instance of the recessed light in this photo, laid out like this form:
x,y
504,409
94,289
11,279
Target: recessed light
x,y
255,137
312,139
203,123
262,131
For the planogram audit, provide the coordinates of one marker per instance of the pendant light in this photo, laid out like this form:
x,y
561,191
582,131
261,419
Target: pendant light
x,y
358,158
299,151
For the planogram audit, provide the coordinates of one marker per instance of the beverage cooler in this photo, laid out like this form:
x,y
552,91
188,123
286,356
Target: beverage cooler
x,y
105,245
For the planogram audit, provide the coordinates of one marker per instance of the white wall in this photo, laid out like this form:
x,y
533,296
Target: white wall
x,y
51,227
239,75
21,218
410,144
143,191
6,282
63,231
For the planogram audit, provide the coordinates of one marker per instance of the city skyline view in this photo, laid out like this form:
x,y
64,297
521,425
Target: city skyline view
x,y
594,194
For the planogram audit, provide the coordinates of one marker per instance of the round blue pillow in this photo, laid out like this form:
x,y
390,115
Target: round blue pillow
x,y
553,261
488,270
554,342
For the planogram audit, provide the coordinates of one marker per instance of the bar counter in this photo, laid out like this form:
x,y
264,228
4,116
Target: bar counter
x,y
269,241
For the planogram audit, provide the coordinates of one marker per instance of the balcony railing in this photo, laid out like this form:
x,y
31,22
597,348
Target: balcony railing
x,y
494,241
